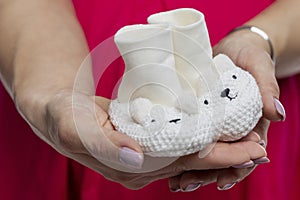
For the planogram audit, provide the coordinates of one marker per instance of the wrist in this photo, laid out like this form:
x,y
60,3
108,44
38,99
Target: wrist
x,y
249,38
259,32
273,22
32,105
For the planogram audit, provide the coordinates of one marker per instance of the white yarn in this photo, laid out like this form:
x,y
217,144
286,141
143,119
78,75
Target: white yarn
x,y
228,109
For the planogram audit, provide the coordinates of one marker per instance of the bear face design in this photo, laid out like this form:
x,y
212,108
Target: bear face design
x,y
172,106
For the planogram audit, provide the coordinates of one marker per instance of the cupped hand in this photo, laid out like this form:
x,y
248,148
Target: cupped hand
x,y
249,148
78,127
250,52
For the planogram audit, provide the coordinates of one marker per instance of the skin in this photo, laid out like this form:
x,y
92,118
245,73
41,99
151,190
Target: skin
x,y
38,70
250,52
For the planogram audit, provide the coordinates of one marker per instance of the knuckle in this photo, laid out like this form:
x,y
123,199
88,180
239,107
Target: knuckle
x,y
240,174
245,55
240,58
213,157
274,87
252,136
58,127
64,137
271,86
255,150
180,166
262,127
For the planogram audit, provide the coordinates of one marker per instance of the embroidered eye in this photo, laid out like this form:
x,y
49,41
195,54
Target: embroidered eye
x,y
174,121
153,120
234,77
205,102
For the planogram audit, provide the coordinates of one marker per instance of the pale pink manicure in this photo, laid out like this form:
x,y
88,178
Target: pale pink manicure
x,y
262,160
130,158
280,109
244,165
262,143
192,187
227,186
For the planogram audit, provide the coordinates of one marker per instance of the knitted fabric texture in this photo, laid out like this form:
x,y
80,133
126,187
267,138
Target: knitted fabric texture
x,y
175,98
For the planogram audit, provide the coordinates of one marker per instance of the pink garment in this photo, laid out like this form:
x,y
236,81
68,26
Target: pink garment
x,y
32,170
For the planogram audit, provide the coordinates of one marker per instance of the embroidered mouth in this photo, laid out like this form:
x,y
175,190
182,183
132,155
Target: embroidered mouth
x,y
230,98
225,93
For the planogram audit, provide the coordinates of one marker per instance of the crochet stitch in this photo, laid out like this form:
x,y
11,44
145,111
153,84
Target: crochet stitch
x,y
174,98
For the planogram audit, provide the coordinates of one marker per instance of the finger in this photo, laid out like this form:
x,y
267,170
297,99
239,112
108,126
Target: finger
x,y
116,148
231,176
224,155
263,69
227,178
252,136
113,149
118,138
192,180
255,137
174,183
98,137
262,128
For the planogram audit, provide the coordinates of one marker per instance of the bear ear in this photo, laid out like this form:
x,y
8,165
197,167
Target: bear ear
x,y
223,63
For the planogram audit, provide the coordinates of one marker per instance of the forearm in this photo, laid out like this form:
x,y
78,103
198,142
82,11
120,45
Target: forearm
x,y
42,47
280,21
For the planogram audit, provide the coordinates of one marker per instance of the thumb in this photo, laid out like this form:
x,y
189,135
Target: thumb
x,y
263,70
107,145
118,150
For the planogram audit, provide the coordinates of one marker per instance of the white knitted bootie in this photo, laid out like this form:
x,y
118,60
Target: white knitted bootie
x,y
174,98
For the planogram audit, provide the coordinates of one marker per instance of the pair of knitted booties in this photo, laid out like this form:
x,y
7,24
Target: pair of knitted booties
x,y
175,98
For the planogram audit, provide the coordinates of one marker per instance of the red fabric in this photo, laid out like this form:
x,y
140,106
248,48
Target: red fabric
x,y
32,170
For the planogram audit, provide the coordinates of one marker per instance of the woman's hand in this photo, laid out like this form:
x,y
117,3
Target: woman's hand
x,y
250,52
39,71
229,175
79,127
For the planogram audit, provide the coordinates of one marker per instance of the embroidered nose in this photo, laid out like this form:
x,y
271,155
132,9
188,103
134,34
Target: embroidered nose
x,y
225,92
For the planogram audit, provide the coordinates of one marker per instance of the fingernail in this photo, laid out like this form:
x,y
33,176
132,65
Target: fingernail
x,y
192,187
280,109
262,143
261,160
244,165
227,186
130,158
175,189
